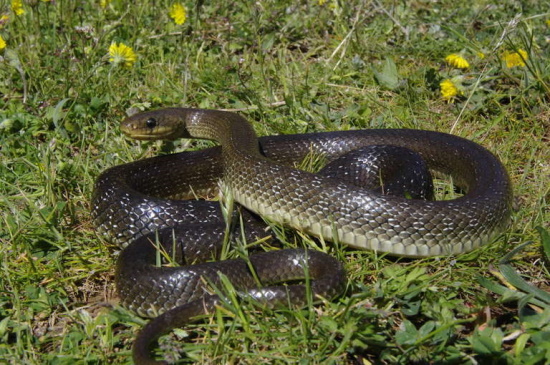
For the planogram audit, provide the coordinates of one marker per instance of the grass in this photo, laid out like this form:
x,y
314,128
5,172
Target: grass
x,y
289,67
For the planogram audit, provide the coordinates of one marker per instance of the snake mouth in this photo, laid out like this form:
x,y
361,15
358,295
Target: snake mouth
x,y
148,134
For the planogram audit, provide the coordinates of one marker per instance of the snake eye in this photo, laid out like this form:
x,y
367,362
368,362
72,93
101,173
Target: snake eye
x,y
151,123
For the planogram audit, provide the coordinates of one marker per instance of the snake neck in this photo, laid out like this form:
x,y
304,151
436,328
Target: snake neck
x,y
236,136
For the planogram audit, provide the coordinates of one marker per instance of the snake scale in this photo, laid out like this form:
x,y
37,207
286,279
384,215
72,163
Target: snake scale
x,y
133,201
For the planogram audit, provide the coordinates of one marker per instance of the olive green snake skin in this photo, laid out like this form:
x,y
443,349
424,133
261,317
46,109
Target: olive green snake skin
x,y
133,200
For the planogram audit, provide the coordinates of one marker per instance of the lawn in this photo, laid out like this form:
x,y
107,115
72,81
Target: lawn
x,y
71,70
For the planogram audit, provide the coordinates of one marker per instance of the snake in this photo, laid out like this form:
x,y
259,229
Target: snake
x,y
138,203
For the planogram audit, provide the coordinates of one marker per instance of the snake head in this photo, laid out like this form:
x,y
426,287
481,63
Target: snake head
x,y
166,124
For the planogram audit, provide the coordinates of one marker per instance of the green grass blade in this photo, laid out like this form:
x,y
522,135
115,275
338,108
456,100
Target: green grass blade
x,y
507,293
545,240
516,280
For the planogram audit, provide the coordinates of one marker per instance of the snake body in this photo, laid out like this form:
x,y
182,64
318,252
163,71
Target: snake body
x,y
133,200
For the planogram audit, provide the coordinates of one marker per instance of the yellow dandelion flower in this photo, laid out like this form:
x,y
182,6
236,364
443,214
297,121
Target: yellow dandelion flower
x,y
448,90
178,12
513,59
480,55
103,3
121,54
17,7
457,61
2,43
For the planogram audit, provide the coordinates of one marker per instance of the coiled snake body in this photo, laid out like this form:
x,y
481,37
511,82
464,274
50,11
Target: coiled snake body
x,y
133,200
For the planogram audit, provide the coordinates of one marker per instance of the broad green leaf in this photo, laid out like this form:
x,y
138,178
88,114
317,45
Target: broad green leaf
x,y
387,77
